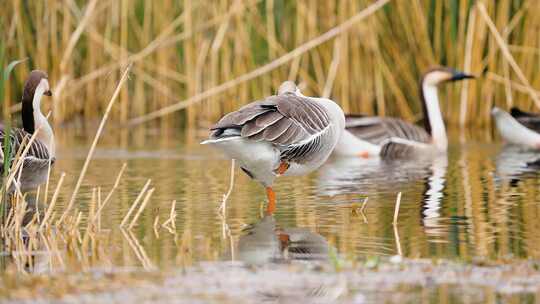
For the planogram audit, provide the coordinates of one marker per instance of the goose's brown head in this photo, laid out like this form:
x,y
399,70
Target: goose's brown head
x,y
37,82
35,79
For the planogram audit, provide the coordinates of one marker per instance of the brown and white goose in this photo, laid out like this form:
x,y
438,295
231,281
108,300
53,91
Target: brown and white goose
x,y
284,134
371,136
42,150
518,127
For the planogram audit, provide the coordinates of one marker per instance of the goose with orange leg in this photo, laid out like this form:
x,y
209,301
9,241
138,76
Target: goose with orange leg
x,y
284,134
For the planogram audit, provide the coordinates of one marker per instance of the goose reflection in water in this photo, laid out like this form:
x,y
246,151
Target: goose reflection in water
x,y
371,177
515,162
264,242
435,184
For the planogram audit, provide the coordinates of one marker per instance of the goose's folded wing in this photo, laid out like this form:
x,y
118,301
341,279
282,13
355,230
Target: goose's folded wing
x,y
399,148
377,130
33,164
287,121
528,119
18,139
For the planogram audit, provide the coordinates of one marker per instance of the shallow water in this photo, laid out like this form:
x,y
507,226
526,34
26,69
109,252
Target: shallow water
x,y
479,202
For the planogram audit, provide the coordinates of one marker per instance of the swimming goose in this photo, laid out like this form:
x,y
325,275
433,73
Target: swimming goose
x,y
42,150
370,136
284,134
518,127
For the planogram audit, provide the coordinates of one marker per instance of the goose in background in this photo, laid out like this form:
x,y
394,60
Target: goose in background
x,y
371,136
518,127
42,151
284,134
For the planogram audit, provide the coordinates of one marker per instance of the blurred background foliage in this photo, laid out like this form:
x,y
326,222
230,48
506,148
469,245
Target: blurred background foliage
x,y
183,48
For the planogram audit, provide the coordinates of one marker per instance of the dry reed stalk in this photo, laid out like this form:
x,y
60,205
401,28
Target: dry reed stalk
x,y
332,70
343,27
99,207
223,206
7,224
141,208
53,202
362,208
507,55
364,204
398,242
123,54
139,251
77,222
135,203
172,216
109,195
467,68
159,42
396,209
514,85
156,226
75,36
94,143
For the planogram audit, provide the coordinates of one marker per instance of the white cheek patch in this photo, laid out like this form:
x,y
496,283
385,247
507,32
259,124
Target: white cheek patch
x,y
436,77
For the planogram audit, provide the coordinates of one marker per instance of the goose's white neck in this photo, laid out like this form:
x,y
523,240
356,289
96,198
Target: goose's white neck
x,y
438,130
45,134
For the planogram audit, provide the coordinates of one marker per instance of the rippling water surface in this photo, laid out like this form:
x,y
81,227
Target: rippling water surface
x,y
480,201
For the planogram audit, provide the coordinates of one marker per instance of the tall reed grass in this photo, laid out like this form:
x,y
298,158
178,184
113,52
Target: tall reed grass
x,y
183,48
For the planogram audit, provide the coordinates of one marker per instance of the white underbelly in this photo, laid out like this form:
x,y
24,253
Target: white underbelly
x,y
350,145
259,158
518,134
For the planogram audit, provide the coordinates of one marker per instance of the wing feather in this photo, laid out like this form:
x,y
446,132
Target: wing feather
x,y
377,130
285,119
37,156
528,119
293,123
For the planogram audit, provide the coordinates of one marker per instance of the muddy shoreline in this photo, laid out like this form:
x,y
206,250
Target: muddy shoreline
x,y
230,282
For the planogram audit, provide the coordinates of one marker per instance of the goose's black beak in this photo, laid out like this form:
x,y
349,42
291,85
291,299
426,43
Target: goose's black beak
x,y
460,76
48,93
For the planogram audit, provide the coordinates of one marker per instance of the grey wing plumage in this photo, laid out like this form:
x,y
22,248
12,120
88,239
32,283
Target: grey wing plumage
x,y
528,119
378,130
37,156
292,123
394,150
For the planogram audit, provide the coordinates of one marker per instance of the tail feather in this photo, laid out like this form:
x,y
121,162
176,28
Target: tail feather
x,y
218,140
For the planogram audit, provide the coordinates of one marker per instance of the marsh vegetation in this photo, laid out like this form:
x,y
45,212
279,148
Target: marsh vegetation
x,y
133,204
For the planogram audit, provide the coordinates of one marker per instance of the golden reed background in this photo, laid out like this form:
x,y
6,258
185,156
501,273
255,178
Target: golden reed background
x,y
183,48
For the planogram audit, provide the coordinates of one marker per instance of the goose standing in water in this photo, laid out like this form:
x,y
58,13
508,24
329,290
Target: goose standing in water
x,y
42,151
284,134
370,136
518,127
